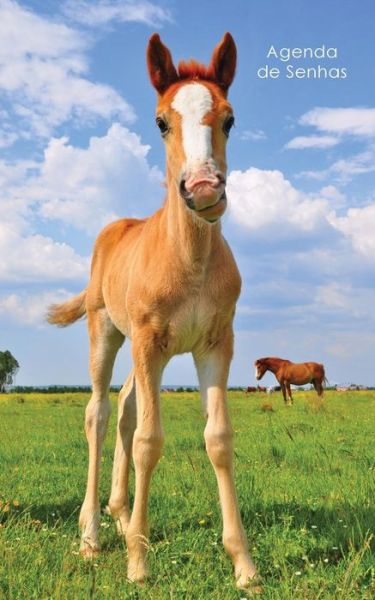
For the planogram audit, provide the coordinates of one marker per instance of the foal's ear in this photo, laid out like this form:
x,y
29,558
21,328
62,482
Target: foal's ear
x,y
223,62
160,64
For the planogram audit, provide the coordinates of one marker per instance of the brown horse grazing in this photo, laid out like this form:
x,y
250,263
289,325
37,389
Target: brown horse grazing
x,y
170,284
287,372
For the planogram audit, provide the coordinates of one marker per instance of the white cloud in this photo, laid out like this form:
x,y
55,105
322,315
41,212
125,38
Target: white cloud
x,y
345,169
30,309
29,257
80,187
89,187
359,226
312,141
348,121
103,12
260,199
42,75
253,134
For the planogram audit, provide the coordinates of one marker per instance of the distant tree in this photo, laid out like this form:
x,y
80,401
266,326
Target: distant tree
x,y
8,368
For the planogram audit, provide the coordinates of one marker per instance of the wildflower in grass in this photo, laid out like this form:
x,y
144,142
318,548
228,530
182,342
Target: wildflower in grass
x,y
16,503
334,548
325,560
298,573
36,522
174,562
314,527
202,522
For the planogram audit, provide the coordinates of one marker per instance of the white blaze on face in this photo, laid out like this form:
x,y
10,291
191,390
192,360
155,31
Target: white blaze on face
x,y
193,101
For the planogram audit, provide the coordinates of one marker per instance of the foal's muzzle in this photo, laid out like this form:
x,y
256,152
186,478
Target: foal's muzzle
x,y
204,193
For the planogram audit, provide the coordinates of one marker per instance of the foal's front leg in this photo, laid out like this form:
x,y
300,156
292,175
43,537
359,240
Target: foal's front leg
x,y
213,370
147,447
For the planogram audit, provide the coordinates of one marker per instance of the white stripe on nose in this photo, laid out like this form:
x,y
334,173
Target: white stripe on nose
x,y
193,101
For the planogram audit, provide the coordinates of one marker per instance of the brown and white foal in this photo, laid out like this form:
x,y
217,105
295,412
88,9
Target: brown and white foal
x,y
170,284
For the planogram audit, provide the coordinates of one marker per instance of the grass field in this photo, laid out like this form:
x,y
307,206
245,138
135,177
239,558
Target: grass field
x,y
306,483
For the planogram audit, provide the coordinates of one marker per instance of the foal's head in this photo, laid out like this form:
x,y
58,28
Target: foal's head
x,y
195,118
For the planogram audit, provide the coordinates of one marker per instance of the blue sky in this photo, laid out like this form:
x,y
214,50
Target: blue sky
x,y
79,148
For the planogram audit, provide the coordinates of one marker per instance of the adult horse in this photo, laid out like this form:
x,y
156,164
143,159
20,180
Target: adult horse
x,y
287,372
170,283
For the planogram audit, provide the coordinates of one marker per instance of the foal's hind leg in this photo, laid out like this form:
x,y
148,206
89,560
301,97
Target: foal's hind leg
x,y
105,340
118,504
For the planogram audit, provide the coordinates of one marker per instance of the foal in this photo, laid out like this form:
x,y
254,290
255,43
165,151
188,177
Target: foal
x,y
170,283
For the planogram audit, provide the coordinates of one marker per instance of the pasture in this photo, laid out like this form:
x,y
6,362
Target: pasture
x,y
306,483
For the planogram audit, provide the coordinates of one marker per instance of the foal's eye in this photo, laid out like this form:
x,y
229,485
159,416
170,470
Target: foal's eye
x,y
228,124
163,125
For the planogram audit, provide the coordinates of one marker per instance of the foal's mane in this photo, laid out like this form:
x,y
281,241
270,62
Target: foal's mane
x,y
192,69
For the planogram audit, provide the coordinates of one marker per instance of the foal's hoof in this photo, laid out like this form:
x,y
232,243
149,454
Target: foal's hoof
x,y
138,571
89,549
252,586
247,578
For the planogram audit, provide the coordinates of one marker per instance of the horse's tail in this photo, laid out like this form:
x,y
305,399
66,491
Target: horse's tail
x,y
68,312
325,381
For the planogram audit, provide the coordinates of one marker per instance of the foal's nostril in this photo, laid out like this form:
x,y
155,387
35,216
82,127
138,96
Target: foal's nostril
x,y
183,190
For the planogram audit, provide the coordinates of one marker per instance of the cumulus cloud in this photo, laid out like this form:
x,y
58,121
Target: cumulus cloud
x,y
266,204
40,61
80,187
89,187
103,12
358,225
261,200
28,256
30,309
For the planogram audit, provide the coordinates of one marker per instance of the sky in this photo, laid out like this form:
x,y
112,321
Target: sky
x,y
79,148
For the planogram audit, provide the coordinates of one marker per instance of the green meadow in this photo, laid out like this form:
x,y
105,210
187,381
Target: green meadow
x,y
306,484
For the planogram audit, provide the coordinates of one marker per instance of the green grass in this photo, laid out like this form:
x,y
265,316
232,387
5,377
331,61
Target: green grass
x,y
305,478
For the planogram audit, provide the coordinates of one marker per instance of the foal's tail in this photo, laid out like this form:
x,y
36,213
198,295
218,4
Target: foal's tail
x,y
68,312
325,381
